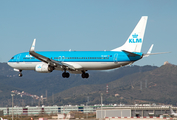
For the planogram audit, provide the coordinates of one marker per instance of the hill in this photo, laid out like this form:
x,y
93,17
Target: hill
x,y
37,83
158,86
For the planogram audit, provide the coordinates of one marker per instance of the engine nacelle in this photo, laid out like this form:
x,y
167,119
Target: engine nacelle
x,y
43,68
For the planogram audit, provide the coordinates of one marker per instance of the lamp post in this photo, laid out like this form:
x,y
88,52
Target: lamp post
x,y
101,104
12,106
87,107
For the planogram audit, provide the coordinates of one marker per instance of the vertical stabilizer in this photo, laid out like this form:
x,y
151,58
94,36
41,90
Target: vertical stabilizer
x,y
135,40
171,110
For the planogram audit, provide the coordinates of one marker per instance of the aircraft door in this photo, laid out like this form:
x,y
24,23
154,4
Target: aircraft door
x,y
115,59
61,58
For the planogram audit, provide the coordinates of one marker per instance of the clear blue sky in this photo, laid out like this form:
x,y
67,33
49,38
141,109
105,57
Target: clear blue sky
x,y
88,25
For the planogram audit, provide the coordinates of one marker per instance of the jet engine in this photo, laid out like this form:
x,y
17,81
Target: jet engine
x,y
43,68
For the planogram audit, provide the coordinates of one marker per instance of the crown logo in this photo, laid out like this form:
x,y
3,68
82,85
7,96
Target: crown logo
x,y
39,66
135,35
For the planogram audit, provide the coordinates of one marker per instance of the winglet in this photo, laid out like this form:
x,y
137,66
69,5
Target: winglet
x,y
33,45
149,51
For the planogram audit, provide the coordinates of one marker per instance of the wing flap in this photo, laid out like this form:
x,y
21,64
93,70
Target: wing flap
x,y
74,65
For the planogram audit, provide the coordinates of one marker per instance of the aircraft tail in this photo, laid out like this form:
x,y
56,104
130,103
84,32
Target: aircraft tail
x,y
135,40
171,110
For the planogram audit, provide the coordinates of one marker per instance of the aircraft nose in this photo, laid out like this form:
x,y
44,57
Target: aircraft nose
x,y
9,63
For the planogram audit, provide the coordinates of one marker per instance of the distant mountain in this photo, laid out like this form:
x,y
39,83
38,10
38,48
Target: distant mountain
x,y
37,83
155,86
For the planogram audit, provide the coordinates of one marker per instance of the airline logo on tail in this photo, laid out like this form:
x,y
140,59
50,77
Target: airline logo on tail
x,y
135,39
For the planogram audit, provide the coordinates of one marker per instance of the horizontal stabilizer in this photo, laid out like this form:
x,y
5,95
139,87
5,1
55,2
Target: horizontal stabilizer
x,y
149,52
146,55
130,53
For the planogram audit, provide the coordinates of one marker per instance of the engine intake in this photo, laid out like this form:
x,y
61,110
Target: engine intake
x,y
43,68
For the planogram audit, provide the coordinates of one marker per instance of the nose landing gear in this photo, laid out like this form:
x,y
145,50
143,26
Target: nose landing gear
x,y
20,74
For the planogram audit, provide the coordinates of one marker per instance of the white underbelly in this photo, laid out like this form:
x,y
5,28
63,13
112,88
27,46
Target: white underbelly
x,y
85,65
100,65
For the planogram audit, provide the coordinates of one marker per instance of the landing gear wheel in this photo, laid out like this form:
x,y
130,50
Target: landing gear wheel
x,y
65,75
20,74
85,75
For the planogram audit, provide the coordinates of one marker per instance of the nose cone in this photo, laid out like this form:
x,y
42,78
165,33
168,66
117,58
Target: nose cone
x,y
9,63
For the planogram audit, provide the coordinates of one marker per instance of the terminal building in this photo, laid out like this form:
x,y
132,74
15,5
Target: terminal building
x,y
30,110
101,111
133,111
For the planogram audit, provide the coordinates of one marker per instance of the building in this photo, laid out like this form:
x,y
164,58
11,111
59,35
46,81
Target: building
x,y
122,110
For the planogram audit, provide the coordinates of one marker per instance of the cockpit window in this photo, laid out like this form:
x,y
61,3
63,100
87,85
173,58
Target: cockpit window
x,y
12,58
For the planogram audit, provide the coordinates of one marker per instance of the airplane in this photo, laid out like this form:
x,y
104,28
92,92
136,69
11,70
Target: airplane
x,y
172,112
78,62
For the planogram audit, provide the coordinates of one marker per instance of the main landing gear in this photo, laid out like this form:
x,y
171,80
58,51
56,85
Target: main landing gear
x,y
65,75
85,75
20,74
